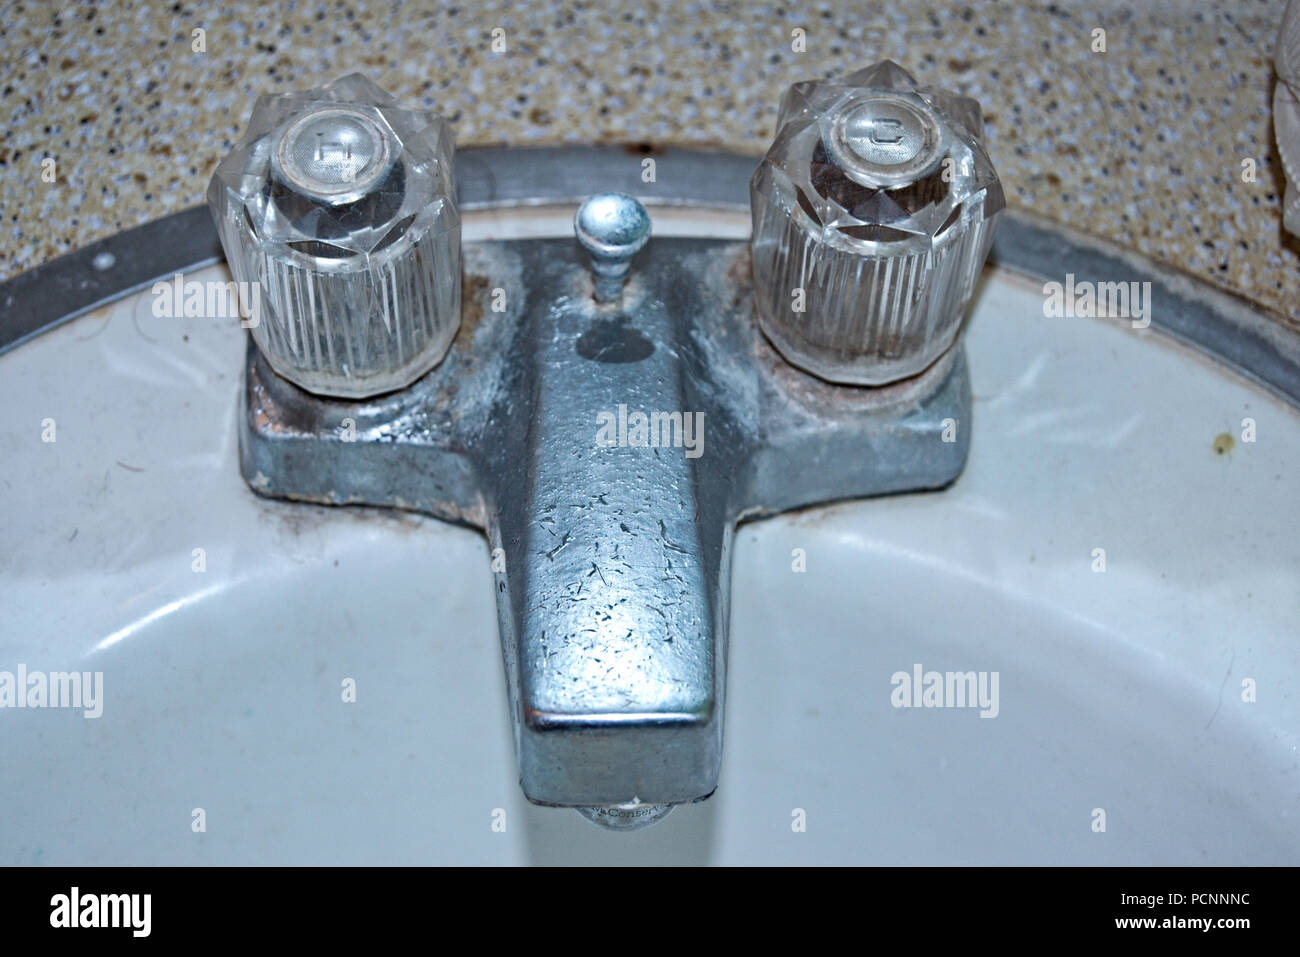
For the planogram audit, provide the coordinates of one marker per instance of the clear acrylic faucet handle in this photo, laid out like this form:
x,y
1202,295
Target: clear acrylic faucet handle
x,y
342,208
873,213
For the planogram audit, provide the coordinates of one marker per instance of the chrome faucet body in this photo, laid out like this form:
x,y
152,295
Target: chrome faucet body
x,y
608,448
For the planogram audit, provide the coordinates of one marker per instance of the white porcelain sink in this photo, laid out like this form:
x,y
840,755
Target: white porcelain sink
x,y
1119,690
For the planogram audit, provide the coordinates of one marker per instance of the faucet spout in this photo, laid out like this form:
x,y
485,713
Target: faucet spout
x,y
614,547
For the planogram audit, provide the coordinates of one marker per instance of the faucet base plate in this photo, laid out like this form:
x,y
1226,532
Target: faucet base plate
x,y
609,450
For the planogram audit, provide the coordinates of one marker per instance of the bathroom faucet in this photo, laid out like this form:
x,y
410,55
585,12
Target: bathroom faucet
x,y
608,409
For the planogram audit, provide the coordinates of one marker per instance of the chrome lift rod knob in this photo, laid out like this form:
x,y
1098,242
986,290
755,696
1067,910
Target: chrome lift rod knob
x,y
612,227
873,213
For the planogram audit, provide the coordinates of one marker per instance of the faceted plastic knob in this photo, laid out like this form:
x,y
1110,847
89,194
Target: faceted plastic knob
x,y
873,213
342,208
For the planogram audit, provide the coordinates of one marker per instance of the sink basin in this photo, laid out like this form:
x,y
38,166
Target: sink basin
x,y
1159,696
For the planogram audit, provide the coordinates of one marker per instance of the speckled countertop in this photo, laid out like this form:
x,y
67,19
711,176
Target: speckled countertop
x,y
1142,144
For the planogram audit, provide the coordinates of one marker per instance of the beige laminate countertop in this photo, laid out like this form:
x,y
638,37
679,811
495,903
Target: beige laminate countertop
x,y
1142,144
